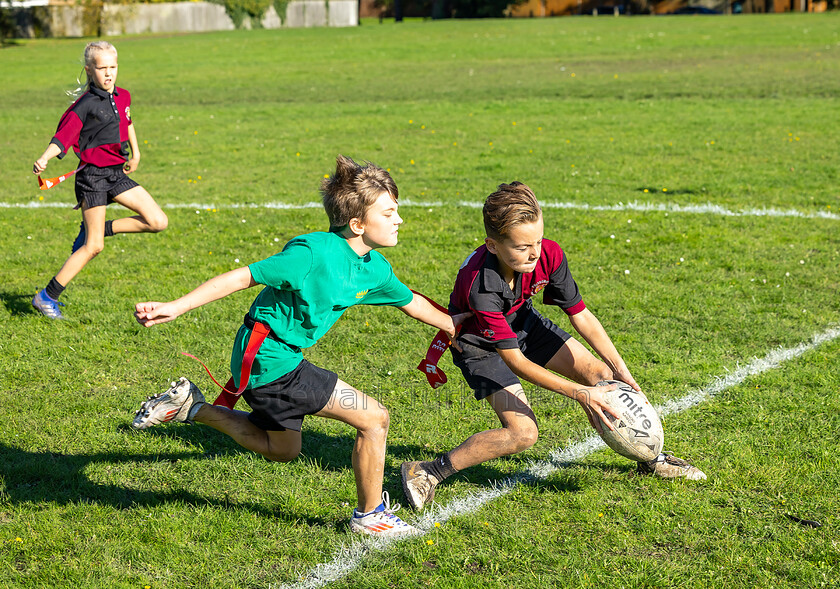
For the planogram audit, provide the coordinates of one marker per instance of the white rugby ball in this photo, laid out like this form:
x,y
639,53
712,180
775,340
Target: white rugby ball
x,y
637,432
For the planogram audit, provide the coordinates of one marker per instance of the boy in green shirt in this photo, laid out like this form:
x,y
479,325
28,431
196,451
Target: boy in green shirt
x,y
308,286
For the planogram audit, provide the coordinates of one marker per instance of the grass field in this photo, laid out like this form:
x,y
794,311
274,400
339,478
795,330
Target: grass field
x,y
689,170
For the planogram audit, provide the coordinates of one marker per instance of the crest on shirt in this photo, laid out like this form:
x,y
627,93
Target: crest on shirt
x,y
127,113
488,333
538,286
361,293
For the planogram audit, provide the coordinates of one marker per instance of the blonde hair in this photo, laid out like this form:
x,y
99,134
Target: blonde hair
x,y
512,204
92,49
352,189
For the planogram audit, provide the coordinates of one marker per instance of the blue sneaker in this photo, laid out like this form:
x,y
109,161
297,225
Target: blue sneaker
x,y
47,306
80,239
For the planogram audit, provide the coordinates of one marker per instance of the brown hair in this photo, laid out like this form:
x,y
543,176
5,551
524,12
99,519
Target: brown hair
x,y
512,204
352,189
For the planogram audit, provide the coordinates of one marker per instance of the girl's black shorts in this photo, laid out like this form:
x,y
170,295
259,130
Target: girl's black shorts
x,y
97,187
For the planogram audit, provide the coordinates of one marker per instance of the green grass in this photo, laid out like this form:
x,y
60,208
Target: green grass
x,y
739,112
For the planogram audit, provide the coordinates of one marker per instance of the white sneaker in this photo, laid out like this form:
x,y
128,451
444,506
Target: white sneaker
x,y
179,403
381,522
668,466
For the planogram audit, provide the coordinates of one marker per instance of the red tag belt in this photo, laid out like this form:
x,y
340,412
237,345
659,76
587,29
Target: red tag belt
x,y
47,183
429,364
228,396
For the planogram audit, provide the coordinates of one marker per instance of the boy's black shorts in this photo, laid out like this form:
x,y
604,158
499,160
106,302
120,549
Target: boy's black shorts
x,y
282,404
97,187
486,372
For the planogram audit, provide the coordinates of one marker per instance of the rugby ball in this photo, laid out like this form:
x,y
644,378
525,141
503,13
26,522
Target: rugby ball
x,y
637,432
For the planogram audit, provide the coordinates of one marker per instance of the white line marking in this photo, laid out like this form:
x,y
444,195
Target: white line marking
x,y
348,557
641,207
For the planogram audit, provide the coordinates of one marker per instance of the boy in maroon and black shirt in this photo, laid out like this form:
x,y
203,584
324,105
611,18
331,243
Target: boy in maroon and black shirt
x,y
507,339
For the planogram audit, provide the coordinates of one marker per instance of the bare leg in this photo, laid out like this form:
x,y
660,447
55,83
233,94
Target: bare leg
x,y
577,363
150,217
94,220
371,421
518,432
280,446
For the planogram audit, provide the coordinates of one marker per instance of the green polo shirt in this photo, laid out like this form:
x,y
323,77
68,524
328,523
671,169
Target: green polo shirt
x,y
308,286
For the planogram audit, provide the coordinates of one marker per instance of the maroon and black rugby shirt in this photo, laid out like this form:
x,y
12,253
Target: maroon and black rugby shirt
x,y
481,289
96,127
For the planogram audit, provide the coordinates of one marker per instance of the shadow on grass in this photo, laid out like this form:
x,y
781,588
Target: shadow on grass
x,y
331,453
17,304
34,477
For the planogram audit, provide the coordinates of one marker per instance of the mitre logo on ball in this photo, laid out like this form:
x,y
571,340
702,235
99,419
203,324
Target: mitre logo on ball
x,y
637,431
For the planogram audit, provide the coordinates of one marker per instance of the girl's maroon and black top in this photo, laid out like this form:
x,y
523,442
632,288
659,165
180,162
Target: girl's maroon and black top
x,y
96,127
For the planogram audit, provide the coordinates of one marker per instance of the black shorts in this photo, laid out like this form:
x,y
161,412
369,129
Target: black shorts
x,y
97,187
282,404
486,372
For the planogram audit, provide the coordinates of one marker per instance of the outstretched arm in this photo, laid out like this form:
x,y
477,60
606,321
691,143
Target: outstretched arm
x,y
590,398
591,330
152,313
421,309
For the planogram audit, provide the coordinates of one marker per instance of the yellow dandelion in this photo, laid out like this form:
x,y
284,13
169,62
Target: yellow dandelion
x,y
298,154
326,175
568,140
430,542
487,523
615,76
713,142
410,122
490,144
573,74
611,139
411,162
514,123
600,515
530,151
18,539
454,144
433,131
539,128
40,198
422,126
210,253
437,524
664,190
199,177
195,132
646,189
145,141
